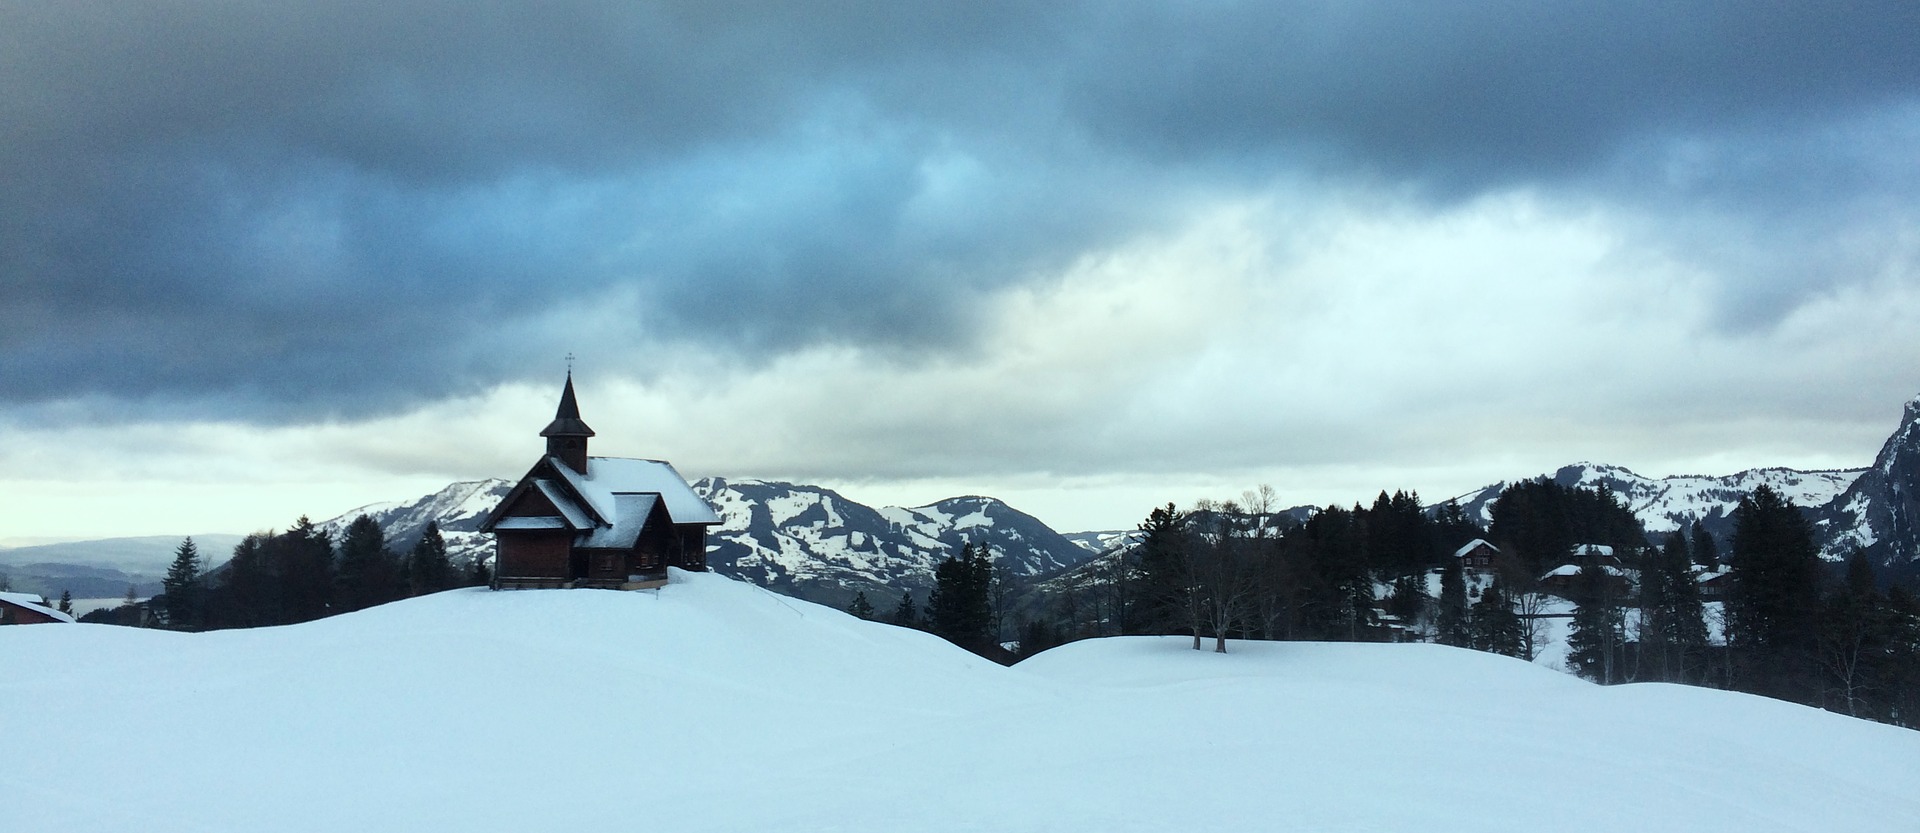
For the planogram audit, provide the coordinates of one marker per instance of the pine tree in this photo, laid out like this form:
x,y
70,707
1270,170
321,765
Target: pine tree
x,y
904,614
1164,570
301,562
248,596
1451,626
960,607
184,596
860,607
1409,598
1595,636
1495,626
1673,631
1705,552
66,602
1773,607
428,570
366,575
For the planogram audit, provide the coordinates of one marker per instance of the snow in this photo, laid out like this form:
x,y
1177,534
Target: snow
x,y
607,476
1470,545
712,705
1667,504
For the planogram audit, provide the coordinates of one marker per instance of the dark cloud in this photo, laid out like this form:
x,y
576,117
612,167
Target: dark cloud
x,y
344,207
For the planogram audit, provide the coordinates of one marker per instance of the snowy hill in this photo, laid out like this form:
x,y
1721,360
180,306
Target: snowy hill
x,y
712,705
1670,503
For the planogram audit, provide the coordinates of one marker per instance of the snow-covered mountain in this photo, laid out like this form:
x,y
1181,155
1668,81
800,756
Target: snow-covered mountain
x,y
458,508
1667,504
804,540
816,544
1875,509
1879,511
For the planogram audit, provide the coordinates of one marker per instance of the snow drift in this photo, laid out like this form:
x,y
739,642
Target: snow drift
x,y
713,705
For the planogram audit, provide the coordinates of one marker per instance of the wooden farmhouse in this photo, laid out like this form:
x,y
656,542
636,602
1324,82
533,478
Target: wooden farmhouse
x,y
1477,555
28,609
609,522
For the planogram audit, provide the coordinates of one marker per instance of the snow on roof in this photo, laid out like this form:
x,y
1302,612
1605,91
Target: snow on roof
x,y
37,604
1574,570
1470,545
631,510
607,476
1592,549
575,518
524,522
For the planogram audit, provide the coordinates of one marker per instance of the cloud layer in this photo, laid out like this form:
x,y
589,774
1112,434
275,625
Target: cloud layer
x,y
345,207
946,241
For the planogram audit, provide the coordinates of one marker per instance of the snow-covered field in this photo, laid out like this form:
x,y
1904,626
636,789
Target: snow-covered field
x,y
713,705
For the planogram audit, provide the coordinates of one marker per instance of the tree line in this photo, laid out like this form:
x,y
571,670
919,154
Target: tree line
x,y
301,574
1785,625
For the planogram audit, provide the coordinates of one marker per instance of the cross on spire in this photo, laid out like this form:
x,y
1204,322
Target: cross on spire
x,y
569,363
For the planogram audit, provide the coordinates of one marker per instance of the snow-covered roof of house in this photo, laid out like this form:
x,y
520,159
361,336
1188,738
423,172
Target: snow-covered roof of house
x,y
1471,545
574,516
1574,570
36,604
609,476
632,511
532,522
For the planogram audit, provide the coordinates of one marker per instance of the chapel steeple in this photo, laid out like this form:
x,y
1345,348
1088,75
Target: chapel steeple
x,y
567,434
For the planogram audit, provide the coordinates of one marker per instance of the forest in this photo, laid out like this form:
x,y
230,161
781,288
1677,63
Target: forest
x,y
1758,613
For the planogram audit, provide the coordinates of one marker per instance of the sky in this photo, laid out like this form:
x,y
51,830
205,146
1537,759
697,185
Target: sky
x,y
261,260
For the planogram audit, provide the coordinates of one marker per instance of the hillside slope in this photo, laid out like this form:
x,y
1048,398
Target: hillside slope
x,y
713,705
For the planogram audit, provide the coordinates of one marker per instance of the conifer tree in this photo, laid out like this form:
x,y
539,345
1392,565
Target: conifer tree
x,y
1451,626
479,574
961,607
1673,631
1595,636
366,575
301,562
428,570
248,595
1164,570
860,607
1773,606
1704,551
184,596
66,602
905,614
1495,626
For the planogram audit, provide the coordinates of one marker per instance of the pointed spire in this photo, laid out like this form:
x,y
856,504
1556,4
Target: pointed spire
x,y
569,409
567,434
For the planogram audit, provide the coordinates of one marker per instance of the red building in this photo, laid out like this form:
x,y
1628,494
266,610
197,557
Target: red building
x,y
28,609
576,520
